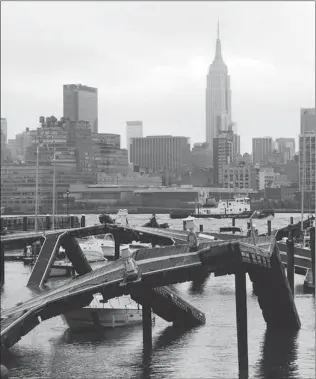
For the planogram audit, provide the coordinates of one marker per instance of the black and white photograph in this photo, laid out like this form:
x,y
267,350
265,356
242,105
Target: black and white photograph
x,y
158,189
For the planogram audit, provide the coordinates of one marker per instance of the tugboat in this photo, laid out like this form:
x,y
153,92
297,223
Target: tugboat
x,y
239,207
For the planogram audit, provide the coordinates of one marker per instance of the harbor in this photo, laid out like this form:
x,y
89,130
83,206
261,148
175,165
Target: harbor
x,y
168,337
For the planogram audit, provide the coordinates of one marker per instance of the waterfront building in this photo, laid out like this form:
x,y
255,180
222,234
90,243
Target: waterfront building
x,y
18,187
81,104
218,97
161,153
107,156
261,148
222,154
134,129
130,179
242,176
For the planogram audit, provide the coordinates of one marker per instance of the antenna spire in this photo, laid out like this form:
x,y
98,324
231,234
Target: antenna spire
x,y
218,28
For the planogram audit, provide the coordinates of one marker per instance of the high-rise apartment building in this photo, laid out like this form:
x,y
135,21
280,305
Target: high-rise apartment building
x,y
286,146
308,120
218,96
262,147
4,130
160,153
222,154
134,129
81,104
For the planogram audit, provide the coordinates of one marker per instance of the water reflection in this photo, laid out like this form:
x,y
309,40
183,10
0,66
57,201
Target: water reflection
x,y
168,337
198,284
279,355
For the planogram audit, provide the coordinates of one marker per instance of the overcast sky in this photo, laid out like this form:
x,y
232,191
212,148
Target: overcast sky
x,y
149,61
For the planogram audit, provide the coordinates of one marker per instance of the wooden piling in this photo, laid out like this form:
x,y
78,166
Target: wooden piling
x,y
290,259
201,228
83,221
312,244
184,225
241,319
291,220
72,221
147,327
269,227
117,247
25,223
48,223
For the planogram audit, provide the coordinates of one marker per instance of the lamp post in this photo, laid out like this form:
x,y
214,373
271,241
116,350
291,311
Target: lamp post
x,y
54,189
67,194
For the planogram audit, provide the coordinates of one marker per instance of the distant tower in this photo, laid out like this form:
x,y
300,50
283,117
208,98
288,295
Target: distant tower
x,y
218,96
134,129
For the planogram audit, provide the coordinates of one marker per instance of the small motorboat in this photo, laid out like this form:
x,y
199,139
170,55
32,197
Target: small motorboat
x,y
116,312
107,244
91,249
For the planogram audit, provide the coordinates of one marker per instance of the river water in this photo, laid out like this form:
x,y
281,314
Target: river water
x,y
210,351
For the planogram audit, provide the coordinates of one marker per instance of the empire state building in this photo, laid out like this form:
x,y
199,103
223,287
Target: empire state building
x,y
218,96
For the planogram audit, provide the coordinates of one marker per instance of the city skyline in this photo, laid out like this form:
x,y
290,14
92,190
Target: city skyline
x,y
148,73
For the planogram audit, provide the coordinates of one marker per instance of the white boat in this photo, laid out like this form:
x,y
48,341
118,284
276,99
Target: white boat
x,y
107,244
92,249
116,312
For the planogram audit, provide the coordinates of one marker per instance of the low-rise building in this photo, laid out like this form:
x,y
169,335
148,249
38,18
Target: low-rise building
x,y
130,179
242,176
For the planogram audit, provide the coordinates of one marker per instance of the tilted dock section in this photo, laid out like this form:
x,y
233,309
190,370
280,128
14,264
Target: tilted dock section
x,y
158,267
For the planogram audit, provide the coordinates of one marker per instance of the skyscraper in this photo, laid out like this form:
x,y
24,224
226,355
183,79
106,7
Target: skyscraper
x,y
218,96
4,130
134,129
81,104
261,148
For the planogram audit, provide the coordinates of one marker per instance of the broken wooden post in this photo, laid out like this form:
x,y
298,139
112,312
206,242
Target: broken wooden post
x,y
291,220
201,228
83,221
290,259
117,242
312,244
25,223
269,227
147,327
233,224
241,319
184,225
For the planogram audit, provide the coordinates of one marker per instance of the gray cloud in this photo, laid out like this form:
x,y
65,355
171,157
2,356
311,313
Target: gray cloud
x,y
149,61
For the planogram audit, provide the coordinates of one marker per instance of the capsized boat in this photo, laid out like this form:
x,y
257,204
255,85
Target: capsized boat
x,y
116,312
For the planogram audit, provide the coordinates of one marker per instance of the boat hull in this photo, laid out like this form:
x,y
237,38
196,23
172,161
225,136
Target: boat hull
x,y
61,271
244,215
106,318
